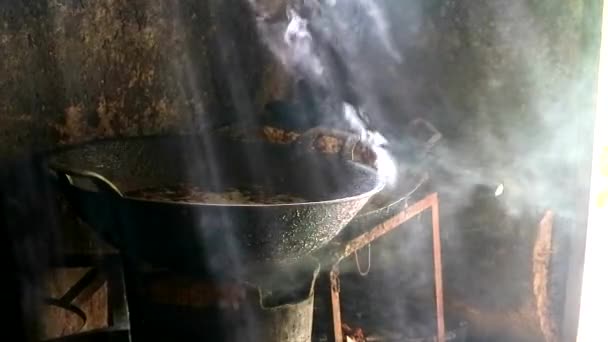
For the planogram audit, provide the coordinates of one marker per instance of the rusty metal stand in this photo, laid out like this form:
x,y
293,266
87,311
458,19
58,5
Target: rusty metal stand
x,y
103,270
431,201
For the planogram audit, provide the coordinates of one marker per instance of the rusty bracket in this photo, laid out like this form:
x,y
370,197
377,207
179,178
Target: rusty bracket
x,y
108,271
431,201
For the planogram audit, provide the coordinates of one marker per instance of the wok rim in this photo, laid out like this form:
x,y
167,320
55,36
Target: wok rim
x,y
379,182
379,185
388,206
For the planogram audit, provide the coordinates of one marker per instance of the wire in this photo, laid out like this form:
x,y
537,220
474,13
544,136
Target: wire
x,y
369,261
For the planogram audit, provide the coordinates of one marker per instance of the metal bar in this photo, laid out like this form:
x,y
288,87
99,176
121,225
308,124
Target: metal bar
x,y
107,269
80,293
84,288
438,268
334,281
118,309
388,225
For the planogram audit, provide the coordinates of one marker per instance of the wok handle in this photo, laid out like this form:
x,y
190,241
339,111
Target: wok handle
x,y
435,134
101,183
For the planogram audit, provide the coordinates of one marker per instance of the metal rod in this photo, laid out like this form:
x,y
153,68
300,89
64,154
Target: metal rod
x,y
438,269
334,281
118,308
84,288
388,225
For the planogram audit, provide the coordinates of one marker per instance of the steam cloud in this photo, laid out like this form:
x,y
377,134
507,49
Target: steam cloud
x,y
320,43
513,121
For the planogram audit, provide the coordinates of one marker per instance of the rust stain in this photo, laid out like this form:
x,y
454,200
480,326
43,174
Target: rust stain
x,y
105,118
74,128
121,55
119,68
542,252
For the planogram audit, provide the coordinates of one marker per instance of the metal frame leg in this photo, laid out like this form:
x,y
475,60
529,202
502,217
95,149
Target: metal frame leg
x,y
118,309
107,271
438,268
334,281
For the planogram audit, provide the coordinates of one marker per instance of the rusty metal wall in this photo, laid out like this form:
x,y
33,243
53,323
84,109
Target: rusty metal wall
x,y
74,70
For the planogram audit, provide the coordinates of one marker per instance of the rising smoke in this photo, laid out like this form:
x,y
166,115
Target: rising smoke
x,y
496,79
320,43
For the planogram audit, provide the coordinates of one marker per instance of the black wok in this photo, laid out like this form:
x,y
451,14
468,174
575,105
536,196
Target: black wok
x,y
98,177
